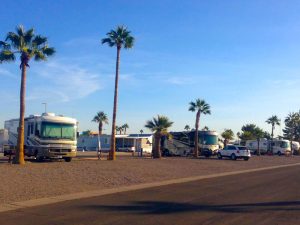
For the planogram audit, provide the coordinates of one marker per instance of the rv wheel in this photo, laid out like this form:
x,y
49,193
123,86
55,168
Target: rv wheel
x,y
68,159
279,153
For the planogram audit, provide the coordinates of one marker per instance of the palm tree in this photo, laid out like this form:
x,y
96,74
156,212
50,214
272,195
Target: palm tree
x,y
28,46
227,135
124,127
117,38
160,126
119,129
141,131
205,128
187,127
100,118
202,108
273,120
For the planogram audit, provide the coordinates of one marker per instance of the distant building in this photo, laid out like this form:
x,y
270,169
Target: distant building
x,y
3,137
124,142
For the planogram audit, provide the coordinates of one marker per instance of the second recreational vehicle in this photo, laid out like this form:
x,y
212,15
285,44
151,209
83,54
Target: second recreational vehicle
x,y
276,146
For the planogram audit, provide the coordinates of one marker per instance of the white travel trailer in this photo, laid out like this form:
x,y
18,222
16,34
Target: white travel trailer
x,y
45,136
279,146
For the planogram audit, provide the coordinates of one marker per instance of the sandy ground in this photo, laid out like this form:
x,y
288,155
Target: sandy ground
x,y
38,180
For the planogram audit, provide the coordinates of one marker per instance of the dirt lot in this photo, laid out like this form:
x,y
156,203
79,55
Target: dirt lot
x,y
37,180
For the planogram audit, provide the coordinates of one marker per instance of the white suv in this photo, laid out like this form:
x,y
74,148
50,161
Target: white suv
x,y
234,152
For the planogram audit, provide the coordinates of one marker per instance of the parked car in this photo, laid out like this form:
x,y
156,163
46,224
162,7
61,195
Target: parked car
x,y
234,152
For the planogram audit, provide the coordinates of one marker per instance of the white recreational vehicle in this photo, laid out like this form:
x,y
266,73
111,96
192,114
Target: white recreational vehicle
x,y
279,146
45,136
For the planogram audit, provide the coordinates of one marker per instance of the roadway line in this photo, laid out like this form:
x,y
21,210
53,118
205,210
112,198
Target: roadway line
x,y
95,193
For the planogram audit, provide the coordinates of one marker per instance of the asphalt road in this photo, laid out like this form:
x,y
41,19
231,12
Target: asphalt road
x,y
268,197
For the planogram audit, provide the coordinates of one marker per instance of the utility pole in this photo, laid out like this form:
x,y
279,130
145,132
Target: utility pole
x,y
44,103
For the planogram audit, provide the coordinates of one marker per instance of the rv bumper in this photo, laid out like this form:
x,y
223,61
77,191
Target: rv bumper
x,y
58,153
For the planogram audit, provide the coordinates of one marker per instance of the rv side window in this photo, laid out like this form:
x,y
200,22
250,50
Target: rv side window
x,y
37,133
28,130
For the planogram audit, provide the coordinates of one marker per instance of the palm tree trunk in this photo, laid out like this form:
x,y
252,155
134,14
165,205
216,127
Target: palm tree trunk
x,y
258,148
157,152
112,153
272,132
100,128
19,159
196,152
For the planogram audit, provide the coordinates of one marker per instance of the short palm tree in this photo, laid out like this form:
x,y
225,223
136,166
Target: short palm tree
x,y
160,127
125,127
29,46
187,127
100,118
141,131
119,129
273,120
201,107
119,38
227,135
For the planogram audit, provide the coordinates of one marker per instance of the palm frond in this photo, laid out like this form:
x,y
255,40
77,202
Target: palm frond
x,y
39,56
14,39
28,36
20,30
39,40
4,45
7,56
48,51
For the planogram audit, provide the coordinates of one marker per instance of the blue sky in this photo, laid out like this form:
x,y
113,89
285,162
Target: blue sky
x,y
242,57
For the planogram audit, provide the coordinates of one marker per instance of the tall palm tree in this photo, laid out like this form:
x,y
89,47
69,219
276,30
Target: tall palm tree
x,y
273,120
28,45
119,38
201,107
141,131
187,127
124,127
160,127
100,118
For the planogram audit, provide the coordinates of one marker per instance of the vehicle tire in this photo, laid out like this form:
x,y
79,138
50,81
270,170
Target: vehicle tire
x,y
279,153
219,156
246,158
233,157
68,159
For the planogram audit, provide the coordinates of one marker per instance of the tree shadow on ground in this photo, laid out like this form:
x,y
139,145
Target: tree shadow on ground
x,y
161,207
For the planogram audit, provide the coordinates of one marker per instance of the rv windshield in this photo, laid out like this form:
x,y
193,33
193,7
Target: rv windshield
x,y
208,139
58,131
284,144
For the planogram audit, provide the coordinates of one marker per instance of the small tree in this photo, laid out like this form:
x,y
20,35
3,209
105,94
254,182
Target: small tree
x,y
227,135
160,127
125,127
273,120
187,127
259,133
100,118
141,131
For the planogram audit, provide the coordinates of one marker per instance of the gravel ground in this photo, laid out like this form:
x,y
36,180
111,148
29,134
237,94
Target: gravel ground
x,y
38,180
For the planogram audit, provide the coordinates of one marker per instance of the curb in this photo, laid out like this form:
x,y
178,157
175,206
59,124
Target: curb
x,y
88,194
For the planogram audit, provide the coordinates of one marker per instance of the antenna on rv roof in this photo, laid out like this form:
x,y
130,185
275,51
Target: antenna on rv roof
x,y
44,103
